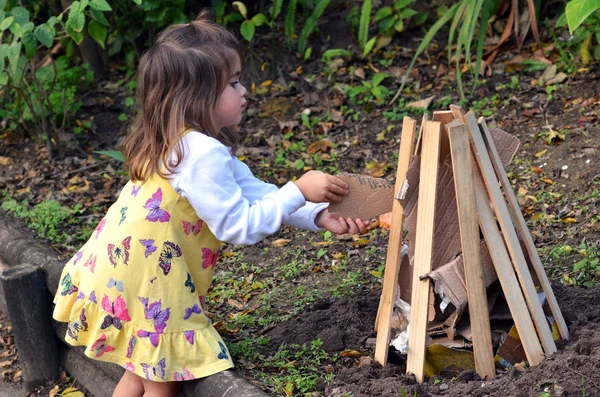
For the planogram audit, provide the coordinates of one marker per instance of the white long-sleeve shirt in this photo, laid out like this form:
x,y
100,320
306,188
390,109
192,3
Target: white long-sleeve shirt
x,y
237,207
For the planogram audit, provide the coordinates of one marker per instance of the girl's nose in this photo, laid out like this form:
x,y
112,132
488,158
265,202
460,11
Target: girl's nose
x,y
243,91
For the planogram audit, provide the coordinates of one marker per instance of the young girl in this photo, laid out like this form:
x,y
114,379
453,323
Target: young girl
x,y
134,293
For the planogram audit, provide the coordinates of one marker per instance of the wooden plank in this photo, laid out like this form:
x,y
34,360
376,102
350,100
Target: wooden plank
x,y
470,242
458,112
524,231
506,275
510,235
417,150
392,262
423,249
444,117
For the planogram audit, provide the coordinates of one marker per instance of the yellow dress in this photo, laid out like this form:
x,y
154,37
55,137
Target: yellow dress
x,y
134,293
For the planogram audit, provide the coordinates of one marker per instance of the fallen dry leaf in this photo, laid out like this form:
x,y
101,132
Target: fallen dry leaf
x,y
280,242
423,103
385,220
322,145
5,160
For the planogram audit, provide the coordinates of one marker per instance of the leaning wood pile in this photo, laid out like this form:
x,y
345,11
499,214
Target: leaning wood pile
x,y
466,233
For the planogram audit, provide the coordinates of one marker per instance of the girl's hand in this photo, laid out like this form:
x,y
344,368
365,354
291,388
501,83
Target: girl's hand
x,y
335,223
319,187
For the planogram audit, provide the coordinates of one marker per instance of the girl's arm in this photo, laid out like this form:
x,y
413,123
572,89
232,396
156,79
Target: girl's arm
x,y
206,177
254,189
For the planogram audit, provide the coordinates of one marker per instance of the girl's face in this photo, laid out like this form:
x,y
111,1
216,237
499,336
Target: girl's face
x,y
231,103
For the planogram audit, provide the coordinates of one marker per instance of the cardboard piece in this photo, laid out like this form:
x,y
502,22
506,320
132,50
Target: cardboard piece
x,y
368,197
447,244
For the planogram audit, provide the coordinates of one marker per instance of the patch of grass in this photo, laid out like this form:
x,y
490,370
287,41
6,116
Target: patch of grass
x,y
48,218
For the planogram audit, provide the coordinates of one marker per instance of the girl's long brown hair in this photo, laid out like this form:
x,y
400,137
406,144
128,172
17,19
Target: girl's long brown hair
x,y
180,79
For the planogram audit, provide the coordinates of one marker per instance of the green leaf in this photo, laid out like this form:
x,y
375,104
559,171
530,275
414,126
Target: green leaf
x,y
247,30
99,16
420,18
28,27
336,52
377,92
369,46
259,20
363,28
45,34
30,43
2,4
321,252
5,24
138,2
76,21
578,10
3,78
240,6
400,4
113,154
129,101
14,52
276,9
97,32
383,12
399,25
386,24
52,21
378,78
76,36
307,54
100,5
290,22
21,15
561,22
407,13
15,29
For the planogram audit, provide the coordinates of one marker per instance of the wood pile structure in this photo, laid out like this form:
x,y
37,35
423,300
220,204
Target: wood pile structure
x,y
475,226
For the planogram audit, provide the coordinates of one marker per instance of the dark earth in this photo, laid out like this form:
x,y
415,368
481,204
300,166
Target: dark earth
x,y
559,204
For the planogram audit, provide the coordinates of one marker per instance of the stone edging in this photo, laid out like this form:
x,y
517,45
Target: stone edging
x,y
18,247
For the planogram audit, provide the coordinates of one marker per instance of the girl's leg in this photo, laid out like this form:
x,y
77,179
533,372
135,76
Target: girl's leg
x,y
130,385
161,389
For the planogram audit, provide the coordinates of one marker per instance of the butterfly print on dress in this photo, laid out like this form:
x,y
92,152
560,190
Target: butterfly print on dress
x,y
91,262
118,284
100,346
149,245
119,253
100,227
117,312
68,287
123,215
223,355
190,310
209,257
182,375
131,346
156,214
74,327
157,371
77,257
135,190
170,253
188,227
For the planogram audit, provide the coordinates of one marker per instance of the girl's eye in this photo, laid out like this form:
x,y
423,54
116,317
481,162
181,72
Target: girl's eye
x,y
234,83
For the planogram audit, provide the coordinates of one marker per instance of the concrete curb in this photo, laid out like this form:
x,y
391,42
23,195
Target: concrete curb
x,y
17,246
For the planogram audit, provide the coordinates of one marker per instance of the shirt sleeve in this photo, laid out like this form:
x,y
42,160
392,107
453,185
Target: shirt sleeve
x,y
254,189
206,177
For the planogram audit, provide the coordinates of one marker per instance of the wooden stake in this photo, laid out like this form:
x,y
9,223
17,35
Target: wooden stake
x,y
392,263
506,275
470,241
423,249
524,231
510,235
457,112
444,117
417,150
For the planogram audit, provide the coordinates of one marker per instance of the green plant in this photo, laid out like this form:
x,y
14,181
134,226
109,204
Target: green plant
x,y
466,15
369,89
392,20
577,11
586,35
248,26
41,95
48,218
309,27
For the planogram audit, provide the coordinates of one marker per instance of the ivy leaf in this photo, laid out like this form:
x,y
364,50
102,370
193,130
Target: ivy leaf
x,y
14,51
247,30
383,12
100,5
45,34
99,16
98,32
15,29
113,154
30,43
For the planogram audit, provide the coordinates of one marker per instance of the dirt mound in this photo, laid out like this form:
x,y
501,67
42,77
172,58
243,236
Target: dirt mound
x,y
347,323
